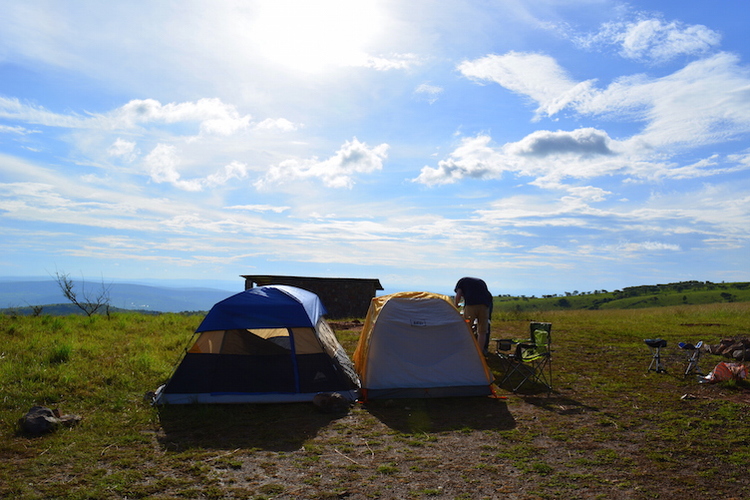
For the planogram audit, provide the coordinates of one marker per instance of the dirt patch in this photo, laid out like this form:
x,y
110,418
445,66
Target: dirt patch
x,y
352,325
518,446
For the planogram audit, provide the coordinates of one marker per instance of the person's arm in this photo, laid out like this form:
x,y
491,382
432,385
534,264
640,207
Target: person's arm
x,y
459,296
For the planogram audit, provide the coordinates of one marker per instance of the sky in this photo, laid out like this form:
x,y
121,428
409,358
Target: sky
x,y
546,146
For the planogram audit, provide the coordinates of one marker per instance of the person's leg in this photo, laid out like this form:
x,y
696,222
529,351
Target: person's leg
x,y
483,320
480,313
470,314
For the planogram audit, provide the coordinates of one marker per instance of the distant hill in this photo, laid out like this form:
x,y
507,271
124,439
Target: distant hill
x,y
635,297
20,294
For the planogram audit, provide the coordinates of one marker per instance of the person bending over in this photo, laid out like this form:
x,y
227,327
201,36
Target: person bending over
x,y
477,305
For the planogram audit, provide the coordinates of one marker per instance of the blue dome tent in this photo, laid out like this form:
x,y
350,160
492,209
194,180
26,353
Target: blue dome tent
x,y
268,344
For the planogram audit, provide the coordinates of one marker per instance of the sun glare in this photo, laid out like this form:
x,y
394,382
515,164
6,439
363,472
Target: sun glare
x,y
309,36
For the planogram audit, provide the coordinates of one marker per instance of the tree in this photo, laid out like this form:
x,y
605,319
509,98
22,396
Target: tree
x,y
90,304
563,303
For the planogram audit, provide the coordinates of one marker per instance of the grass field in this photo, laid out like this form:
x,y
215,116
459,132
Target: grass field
x,y
609,430
636,297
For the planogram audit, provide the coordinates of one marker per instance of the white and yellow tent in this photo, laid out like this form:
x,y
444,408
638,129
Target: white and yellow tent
x,y
417,345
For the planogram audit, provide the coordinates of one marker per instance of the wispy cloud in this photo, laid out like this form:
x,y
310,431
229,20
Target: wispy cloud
x,y
431,93
260,208
210,116
536,76
13,109
5,129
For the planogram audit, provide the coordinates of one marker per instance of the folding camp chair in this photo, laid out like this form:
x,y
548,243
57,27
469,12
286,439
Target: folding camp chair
x,y
530,361
656,346
694,355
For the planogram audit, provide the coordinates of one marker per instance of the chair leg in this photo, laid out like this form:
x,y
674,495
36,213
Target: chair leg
x,y
655,345
540,373
693,357
656,364
692,365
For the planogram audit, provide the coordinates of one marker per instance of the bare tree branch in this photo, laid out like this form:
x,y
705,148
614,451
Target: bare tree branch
x,y
87,303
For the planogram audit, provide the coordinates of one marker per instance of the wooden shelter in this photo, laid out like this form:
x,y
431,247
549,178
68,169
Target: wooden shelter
x,y
342,297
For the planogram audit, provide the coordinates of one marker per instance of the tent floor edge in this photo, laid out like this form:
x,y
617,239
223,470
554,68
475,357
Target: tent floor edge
x,y
427,392
242,398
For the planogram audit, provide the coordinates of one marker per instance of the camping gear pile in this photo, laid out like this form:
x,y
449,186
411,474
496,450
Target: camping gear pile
x,y
735,348
724,372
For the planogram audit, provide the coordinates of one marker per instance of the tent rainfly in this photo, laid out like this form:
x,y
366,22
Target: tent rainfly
x,y
417,345
269,344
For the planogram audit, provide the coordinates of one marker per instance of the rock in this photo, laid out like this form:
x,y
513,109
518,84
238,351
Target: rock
x,y
331,402
41,420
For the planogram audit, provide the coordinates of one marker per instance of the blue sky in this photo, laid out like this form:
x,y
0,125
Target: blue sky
x,y
545,146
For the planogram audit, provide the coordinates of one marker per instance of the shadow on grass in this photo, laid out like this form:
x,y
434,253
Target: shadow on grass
x,y
522,380
273,427
561,405
442,414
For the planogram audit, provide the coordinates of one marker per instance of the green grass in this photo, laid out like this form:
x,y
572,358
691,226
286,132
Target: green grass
x,y
609,426
637,297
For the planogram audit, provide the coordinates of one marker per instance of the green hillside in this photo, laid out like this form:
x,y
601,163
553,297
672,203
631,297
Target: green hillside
x,y
636,297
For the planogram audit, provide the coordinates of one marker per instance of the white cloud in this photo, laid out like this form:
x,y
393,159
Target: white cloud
x,y
431,93
394,61
277,124
234,170
653,40
5,129
584,143
213,116
14,109
550,156
473,158
338,171
534,75
260,208
123,148
646,246
162,162
705,102
587,193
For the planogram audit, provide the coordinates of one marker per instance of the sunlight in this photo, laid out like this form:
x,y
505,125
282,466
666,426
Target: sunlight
x,y
309,36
